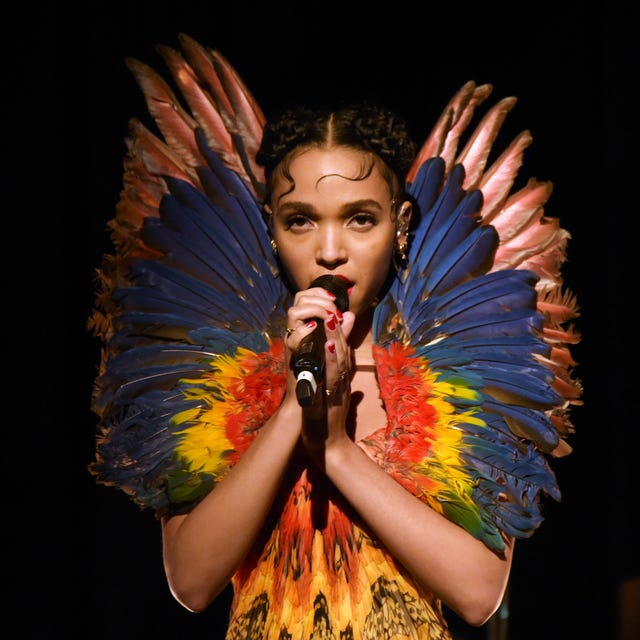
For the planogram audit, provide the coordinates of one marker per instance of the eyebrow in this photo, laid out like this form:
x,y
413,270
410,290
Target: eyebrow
x,y
347,207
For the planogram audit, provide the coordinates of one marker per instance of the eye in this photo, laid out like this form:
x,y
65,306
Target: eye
x,y
363,221
297,222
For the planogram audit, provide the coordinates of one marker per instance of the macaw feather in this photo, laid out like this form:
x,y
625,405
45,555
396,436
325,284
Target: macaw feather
x,y
449,245
199,97
521,351
175,123
223,107
497,181
560,307
517,212
455,118
474,155
485,296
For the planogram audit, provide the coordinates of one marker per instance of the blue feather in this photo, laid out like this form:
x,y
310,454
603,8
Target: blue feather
x,y
521,385
484,295
491,351
527,423
137,451
439,212
194,241
220,179
191,250
229,222
202,302
514,323
165,377
428,181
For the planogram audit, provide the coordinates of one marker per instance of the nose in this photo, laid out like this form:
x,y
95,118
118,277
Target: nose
x,y
331,250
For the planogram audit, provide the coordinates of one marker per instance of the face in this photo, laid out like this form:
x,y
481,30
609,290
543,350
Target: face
x,y
333,223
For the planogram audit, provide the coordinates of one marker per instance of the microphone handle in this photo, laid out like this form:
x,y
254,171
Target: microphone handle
x,y
308,364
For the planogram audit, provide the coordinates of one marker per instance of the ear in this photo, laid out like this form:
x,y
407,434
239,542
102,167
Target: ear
x,y
404,218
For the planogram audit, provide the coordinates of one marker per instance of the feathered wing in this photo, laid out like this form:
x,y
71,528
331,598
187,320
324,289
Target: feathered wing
x,y
190,306
472,347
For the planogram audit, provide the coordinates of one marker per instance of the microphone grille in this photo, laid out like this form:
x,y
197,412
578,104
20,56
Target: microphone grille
x,y
335,285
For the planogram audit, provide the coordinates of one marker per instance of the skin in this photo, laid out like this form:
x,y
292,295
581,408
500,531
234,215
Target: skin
x,y
330,223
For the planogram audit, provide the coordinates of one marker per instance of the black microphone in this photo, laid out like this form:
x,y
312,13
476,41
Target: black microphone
x,y
308,363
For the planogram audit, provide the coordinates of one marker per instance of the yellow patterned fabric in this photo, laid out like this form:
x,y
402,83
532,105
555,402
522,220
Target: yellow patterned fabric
x,y
315,575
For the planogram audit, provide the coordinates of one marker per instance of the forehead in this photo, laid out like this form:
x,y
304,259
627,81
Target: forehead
x,y
317,172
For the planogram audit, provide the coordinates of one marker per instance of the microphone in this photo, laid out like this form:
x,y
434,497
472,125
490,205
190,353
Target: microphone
x,y
308,364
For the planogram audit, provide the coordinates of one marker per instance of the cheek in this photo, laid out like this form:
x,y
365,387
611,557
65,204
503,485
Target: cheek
x,y
374,268
382,274
376,256
296,264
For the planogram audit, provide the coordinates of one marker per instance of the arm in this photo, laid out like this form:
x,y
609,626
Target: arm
x,y
443,557
203,549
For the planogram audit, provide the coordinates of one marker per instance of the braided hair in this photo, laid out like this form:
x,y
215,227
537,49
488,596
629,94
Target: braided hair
x,y
364,127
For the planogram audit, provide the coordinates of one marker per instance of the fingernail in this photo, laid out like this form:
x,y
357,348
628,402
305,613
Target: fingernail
x,y
331,295
339,314
331,347
331,323
311,324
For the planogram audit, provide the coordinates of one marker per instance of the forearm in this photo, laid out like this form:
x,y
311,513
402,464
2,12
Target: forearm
x,y
442,556
203,549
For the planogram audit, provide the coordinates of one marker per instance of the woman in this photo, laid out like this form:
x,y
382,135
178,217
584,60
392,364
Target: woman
x,y
358,516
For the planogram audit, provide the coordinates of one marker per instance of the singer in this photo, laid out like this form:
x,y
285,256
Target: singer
x,y
319,374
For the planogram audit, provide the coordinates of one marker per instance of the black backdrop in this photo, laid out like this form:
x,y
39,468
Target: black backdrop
x,y
91,564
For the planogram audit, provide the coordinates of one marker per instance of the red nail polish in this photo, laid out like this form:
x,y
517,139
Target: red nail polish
x,y
339,314
311,324
331,323
331,347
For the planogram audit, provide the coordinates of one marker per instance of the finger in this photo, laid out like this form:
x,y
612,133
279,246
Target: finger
x,y
311,304
337,382
315,296
294,335
307,308
336,353
335,331
319,291
315,299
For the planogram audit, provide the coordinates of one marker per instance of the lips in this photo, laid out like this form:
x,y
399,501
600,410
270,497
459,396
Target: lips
x,y
344,279
350,284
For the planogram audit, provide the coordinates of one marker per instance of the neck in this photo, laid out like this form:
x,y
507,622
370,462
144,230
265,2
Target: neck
x,y
361,341
363,358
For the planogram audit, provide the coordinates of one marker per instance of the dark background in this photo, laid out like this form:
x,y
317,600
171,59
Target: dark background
x,y
88,561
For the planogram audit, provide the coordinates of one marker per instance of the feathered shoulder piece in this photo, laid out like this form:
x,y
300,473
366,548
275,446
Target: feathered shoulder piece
x,y
190,307
472,342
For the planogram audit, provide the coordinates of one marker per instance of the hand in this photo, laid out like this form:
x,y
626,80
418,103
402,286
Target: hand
x,y
325,423
311,308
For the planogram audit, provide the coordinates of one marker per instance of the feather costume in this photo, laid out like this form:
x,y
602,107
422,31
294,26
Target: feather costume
x,y
471,346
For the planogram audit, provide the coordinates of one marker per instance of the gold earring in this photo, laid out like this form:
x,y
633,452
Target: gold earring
x,y
274,247
400,253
